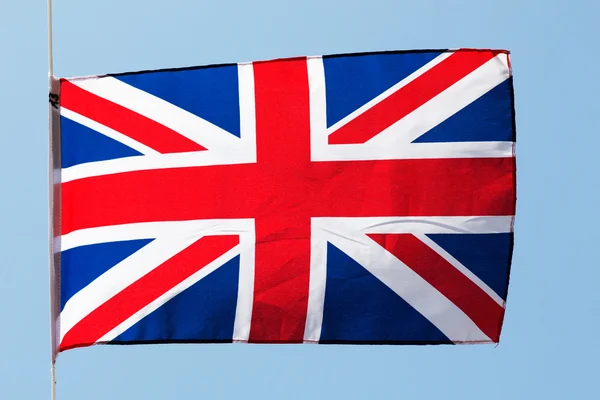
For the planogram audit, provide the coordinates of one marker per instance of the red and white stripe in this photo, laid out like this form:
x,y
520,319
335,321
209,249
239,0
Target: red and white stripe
x,y
153,275
385,127
398,252
178,138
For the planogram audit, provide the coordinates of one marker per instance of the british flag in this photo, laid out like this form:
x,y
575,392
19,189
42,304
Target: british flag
x,y
364,198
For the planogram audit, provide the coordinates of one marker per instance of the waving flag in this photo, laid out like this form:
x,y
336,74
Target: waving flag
x,y
361,198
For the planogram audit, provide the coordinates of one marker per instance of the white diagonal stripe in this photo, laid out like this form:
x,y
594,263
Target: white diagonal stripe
x,y
181,121
173,237
409,285
106,131
174,291
445,104
389,92
464,270
350,235
118,278
394,143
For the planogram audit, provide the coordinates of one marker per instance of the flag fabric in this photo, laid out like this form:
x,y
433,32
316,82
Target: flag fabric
x,y
365,198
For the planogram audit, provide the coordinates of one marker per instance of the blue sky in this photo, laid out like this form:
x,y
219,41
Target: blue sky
x,y
548,348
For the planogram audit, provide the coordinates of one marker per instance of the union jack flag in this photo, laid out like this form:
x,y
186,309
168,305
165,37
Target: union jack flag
x,y
363,198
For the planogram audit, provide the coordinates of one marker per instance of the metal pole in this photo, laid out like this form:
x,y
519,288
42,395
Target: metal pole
x,y
53,377
51,211
50,60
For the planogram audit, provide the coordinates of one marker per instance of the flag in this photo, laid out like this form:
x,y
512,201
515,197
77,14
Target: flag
x,y
356,199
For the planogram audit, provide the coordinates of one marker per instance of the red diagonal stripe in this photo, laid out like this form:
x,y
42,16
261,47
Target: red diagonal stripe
x,y
147,289
410,97
125,121
464,293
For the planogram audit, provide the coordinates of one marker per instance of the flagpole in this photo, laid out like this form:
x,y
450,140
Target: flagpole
x,y
53,378
50,60
52,275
